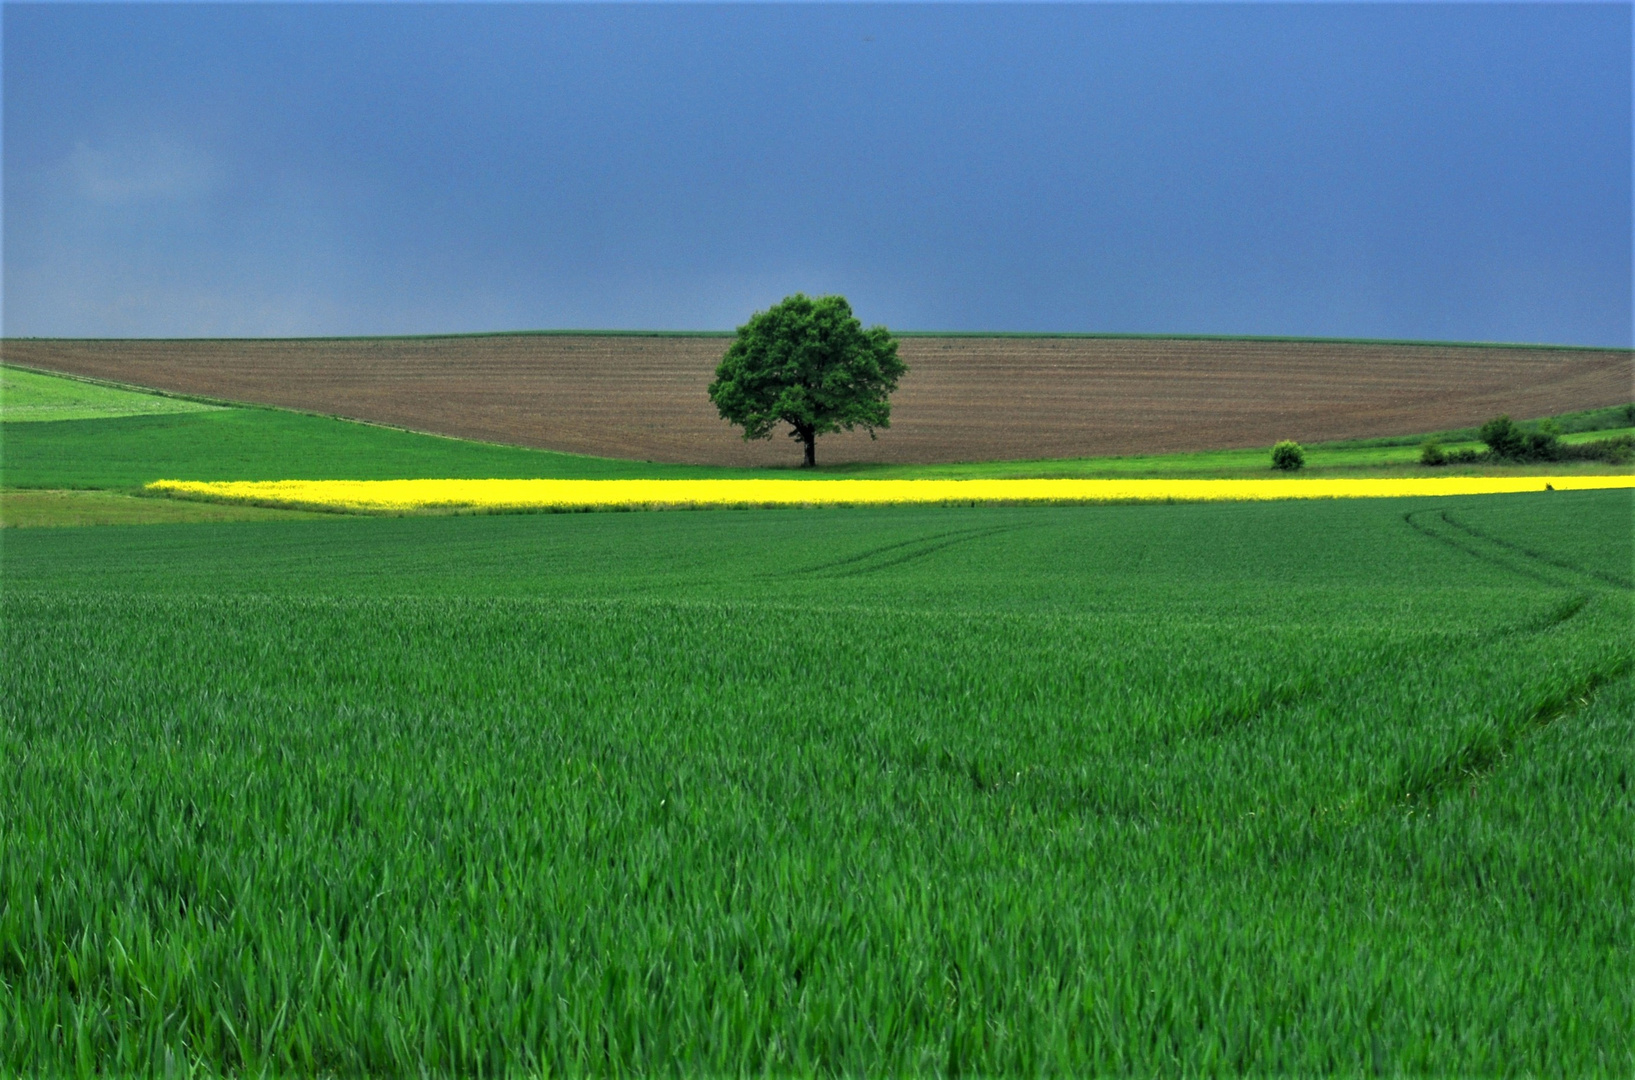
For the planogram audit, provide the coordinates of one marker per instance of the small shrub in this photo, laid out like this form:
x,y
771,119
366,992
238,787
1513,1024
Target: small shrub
x,y
1288,456
1504,438
1543,443
1431,453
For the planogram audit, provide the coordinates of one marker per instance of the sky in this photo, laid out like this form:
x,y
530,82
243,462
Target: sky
x,y
1419,171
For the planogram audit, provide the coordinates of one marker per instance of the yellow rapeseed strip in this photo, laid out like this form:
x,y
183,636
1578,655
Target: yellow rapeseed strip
x,y
388,496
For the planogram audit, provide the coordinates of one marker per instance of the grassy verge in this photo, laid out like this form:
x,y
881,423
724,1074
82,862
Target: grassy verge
x,y
37,508
1336,459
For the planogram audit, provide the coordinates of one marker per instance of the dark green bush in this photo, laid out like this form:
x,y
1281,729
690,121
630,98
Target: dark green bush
x,y
1288,456
1431,453
1504,438
1543,443
1618,450
1508,441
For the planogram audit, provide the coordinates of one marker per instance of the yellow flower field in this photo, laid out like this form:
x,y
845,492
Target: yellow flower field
x,y
397,496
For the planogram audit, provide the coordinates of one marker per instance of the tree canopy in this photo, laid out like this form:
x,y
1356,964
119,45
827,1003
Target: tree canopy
x,y
808,363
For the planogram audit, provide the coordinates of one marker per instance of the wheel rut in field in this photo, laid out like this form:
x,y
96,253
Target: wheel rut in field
x,y
1544,557
1437,525
1255,707
1485,751
1479,758
1250,708
887,556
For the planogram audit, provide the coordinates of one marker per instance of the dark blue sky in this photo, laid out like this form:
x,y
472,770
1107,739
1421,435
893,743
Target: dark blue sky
x,y
1420,171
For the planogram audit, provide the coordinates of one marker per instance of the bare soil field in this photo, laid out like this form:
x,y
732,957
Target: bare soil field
x,y
964,399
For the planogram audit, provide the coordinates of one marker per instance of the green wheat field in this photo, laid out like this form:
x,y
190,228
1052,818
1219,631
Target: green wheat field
x,y
1269,788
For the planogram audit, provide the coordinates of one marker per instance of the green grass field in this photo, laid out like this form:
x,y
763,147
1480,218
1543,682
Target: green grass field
x,y
1267,788
1255,788
27,396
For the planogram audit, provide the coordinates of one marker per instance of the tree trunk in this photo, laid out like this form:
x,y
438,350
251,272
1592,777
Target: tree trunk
x,y
811,448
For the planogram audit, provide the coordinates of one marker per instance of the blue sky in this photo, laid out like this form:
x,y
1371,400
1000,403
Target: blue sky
x,y
1417,171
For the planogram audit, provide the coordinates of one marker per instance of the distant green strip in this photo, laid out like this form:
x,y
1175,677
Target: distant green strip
x,y
27,396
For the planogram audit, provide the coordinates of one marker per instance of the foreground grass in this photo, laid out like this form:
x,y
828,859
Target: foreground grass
x,y
1274,788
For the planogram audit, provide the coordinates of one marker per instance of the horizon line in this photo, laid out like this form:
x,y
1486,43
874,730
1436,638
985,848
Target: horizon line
x,y
1084,335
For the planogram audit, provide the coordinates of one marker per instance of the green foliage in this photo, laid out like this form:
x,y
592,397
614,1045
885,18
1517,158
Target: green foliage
x,y
1543,443
1614,416
1511,442
810,364
1083,790
1431,453
1288,455
1619,450
1504,438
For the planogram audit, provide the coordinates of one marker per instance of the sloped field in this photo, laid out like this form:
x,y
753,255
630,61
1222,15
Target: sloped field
x,y
965,399
28,397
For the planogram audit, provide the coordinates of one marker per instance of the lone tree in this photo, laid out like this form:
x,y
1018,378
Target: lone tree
x,y
810,364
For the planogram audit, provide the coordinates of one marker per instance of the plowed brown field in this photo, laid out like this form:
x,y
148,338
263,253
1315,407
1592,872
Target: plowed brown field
x,y
964,399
